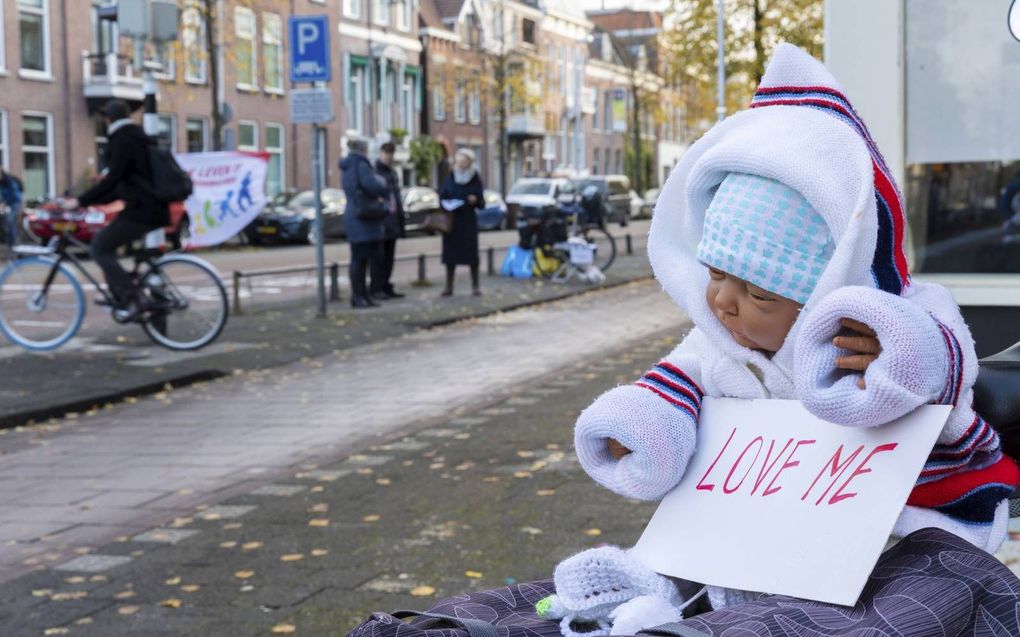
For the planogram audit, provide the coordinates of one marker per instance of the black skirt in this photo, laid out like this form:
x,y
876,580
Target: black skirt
x,y
460,247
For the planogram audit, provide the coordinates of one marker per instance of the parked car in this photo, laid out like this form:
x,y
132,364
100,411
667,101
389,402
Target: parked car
x,y
651,196
494,215
615,191
44,221
293,220
530,198
419,201
637,206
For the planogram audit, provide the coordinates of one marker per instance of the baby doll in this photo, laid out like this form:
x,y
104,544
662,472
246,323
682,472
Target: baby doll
x,y
780,234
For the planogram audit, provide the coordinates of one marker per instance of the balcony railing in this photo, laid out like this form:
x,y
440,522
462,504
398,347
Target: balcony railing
x,y
525,125
109,75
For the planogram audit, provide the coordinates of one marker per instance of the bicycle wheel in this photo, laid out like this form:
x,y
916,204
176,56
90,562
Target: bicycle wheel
x,y
605,246
190,301
41,304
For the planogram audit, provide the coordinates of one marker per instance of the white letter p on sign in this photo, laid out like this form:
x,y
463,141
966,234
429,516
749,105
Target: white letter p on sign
x,y
308,32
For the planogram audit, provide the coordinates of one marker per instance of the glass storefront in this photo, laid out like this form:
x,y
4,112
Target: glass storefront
x,y
962,177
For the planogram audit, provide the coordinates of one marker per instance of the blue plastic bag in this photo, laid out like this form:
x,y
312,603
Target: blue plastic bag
x,y
518,262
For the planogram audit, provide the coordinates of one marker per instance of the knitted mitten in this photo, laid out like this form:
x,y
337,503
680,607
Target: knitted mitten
x,y
660,434
913,369
591,584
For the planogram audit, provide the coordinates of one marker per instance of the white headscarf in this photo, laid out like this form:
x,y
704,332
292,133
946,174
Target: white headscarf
x,y
462,177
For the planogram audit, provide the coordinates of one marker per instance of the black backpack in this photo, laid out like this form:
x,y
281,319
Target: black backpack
x,y
170,182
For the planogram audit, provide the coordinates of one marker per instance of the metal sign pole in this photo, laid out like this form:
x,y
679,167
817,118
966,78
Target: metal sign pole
x,y
320,235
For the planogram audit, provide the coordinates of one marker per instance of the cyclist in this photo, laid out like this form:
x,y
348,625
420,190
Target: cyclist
x,y
128,177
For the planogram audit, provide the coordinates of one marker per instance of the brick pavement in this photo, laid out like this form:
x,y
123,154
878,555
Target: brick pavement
x,y
85,481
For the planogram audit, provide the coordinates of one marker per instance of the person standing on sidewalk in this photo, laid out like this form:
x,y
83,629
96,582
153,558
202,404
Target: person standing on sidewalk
x,y
463,193
393,225
11,195
129,178
363,227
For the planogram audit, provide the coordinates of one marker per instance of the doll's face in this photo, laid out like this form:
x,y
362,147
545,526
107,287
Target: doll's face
x,y
756,318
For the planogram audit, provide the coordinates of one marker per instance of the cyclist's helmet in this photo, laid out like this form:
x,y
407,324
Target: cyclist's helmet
x,y
590,192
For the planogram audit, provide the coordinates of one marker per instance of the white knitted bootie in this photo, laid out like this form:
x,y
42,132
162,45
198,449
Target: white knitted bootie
x,y
591,584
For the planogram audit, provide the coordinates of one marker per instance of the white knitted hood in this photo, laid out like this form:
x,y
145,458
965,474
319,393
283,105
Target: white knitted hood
x,y
801,131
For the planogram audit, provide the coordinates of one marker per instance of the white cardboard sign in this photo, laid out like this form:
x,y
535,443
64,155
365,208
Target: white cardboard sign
x,y
776,500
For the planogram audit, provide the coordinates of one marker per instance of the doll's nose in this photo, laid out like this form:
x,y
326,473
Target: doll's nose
x,y
726,298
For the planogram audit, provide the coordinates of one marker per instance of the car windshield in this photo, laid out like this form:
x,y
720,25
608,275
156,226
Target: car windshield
x,y
598,183
303,200
532,188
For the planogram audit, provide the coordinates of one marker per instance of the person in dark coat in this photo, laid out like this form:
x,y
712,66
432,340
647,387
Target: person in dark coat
x,y
128,178
11,194
393,225
365,236
463,189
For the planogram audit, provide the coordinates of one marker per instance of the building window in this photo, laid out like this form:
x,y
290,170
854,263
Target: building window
x,y
358,89
381,13
37,155
352,9
247,136
439,100
274,171
460,103
167,135
407,103
404,15
607,110
244,47
272,51
198,134
619,161
476,103
606,157
528,31
193,41
596,159
34,31
387,97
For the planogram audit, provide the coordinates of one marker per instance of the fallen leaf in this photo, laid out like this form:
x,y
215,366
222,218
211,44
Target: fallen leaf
x,y
383,482
530,530
41,592
173,602
251,546
284,629
173,581
473,574
228,545
124,595
319,552
69,596
244,574
593,532
317,489
56,631
98,578
364,471
522,474
371,518
292,557
77,579
437,465
422,591
84,621
318,522
525,454
190,588
230,526
127,610
545,492
490,479
320,508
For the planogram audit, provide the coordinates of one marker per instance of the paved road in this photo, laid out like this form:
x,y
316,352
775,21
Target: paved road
x,y
128,469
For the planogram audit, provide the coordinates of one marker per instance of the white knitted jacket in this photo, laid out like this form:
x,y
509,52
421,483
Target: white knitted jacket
x,y
927,351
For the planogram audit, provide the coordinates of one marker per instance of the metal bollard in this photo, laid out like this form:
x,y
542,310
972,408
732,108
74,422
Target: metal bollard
x,y
421,270
237,292
491,261
334,281
630,244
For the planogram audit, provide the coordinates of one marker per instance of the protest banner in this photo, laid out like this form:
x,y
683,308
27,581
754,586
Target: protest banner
x,y
776,500
229,192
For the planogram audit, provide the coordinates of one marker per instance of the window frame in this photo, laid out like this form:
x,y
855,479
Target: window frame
x,y
408,94
254,146
352,9
475,104
51,170
204,130
281,152
358,81
405,15
244,86
46,73
200,37
460,101
381,18
439,99
268,41
172,118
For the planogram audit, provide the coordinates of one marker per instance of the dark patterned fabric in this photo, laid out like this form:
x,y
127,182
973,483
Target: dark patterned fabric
x,y
931,584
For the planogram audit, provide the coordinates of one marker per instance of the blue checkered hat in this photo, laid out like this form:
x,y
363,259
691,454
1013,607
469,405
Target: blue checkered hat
x,y
766,233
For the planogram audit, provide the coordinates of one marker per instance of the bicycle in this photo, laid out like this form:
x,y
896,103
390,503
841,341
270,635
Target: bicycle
x,y
585,250
42,303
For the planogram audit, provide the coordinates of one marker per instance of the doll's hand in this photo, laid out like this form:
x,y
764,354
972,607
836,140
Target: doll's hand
x,y
864,348
616,449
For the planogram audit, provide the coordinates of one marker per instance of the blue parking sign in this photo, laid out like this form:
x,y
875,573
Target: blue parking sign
x,y
309,48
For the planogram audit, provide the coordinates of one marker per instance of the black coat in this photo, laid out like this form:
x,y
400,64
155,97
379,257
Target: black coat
x,y
128,177
394,223
460,247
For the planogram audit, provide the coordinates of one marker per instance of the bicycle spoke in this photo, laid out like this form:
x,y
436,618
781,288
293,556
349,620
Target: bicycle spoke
x,y
190,302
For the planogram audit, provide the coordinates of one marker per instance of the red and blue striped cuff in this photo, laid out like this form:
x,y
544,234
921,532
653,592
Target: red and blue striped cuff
x,y
670,383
